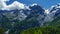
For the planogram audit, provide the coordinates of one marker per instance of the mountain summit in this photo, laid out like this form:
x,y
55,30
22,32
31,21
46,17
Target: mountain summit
x,y
19,16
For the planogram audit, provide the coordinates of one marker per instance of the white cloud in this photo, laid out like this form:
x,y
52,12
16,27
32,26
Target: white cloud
x,y
3,4
14,5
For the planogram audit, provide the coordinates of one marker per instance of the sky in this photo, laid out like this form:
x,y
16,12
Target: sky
x,y
44,3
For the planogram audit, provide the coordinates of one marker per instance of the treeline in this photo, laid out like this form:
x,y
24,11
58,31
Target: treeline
x,y
2,30
43,30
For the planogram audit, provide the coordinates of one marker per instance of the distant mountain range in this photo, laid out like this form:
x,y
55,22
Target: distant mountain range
x,y
15,18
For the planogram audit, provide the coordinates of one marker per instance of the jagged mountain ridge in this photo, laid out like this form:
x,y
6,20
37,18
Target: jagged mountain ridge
x,y
55,12
33,11
30,16
11,19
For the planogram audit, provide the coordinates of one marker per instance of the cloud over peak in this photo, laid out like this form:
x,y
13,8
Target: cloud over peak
x,y
14,5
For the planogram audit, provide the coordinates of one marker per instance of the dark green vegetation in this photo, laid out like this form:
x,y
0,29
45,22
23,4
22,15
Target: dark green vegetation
x,y
2,30
42,30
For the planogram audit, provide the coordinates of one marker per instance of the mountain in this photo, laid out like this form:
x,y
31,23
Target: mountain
x,y
17,16
55,13
55,10
37,12
17,19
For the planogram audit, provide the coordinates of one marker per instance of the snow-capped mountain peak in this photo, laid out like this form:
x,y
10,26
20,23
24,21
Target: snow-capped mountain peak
x,y
34,4
46,11
54,11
